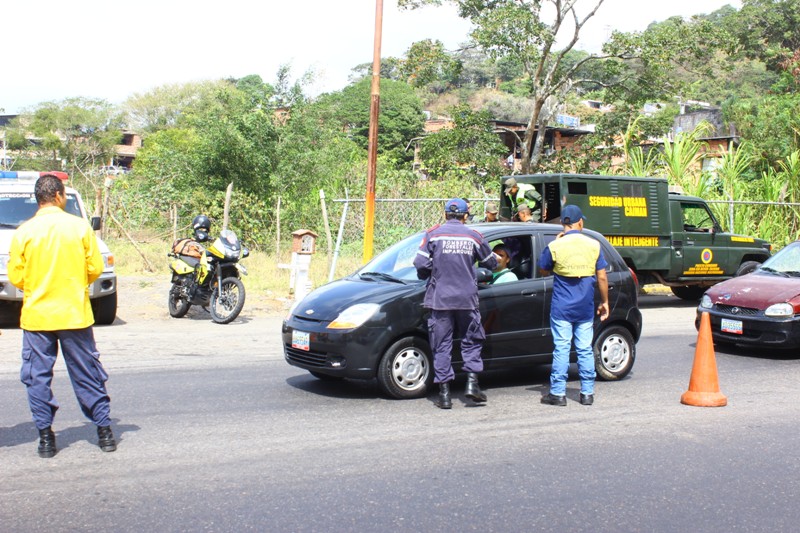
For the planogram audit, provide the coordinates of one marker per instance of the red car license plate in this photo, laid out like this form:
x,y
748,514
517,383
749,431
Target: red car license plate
x,y
731,326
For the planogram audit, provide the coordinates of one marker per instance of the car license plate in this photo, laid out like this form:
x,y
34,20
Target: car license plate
x,y
300,340
731,326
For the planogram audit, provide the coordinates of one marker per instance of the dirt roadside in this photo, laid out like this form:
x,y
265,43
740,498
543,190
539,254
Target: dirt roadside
x,y
145,297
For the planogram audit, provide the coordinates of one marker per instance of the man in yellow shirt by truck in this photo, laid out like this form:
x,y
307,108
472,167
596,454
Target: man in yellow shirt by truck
x,y
53,258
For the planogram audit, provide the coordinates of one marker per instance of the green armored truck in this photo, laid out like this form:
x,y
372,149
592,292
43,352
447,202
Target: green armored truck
x,y
664,237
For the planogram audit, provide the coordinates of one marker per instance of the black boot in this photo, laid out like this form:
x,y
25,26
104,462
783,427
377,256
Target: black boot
x,y
105,439
473,391
443,401
47,443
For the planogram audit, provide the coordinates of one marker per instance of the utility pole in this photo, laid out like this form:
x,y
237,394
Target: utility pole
x,y
372,160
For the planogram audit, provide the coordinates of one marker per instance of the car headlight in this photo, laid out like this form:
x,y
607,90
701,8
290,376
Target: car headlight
x,y
4,263
291,310
783,309
108,262
354,316
705,302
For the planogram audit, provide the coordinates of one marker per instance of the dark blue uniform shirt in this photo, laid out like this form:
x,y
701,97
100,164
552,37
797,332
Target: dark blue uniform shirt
x,y
446,258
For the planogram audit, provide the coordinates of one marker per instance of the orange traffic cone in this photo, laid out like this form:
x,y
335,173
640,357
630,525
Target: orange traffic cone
x,y
704,383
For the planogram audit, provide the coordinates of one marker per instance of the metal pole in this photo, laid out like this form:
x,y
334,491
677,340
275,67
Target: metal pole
x,y
339,237
375,103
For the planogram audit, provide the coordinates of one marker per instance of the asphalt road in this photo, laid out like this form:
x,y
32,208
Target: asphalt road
x,y
217,433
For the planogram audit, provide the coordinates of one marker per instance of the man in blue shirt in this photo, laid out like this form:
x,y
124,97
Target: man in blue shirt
x,y
446,258
577,263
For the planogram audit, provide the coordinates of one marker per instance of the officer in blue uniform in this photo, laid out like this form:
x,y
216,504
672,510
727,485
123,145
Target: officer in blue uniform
x,y
446,258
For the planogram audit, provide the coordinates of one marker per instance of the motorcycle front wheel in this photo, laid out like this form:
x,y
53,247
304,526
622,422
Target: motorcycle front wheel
x,y
178,304
227,300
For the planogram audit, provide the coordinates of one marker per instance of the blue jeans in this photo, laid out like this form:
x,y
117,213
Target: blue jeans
x,y
564,333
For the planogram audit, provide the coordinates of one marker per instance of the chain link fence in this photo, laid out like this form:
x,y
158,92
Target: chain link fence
x,y
395,218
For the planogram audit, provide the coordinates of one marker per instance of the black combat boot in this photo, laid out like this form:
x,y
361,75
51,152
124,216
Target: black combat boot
x,y
473,391
105,439
443,401
47,443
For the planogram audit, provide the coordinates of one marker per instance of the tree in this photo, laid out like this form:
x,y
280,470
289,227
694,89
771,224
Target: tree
x,y
514,29
80,132
767,30
471,147
161,107
428,63
401,118
529,33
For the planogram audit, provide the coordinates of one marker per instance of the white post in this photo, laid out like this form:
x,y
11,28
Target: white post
x,y
302,283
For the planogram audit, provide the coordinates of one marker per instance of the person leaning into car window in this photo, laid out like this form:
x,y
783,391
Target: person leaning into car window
x,y
446,259
577,263
502,274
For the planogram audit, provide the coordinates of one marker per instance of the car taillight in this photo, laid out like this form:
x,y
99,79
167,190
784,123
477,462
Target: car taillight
x,y
635,279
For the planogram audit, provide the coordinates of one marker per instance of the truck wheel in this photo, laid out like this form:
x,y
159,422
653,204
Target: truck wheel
x,y
688,293
104,309
614,353
747,267
406,369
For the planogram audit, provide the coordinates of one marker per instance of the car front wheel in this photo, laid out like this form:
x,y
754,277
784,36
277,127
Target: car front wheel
x,y
406,369
614,353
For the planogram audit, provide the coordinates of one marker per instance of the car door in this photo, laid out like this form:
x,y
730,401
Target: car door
x,y
513,313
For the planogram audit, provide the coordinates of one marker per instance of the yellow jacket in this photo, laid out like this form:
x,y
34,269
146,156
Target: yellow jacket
x,y
53,259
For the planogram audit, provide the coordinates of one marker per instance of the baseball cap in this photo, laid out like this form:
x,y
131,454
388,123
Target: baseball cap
x,y
523,207
456,205
510,184
570,214
491,207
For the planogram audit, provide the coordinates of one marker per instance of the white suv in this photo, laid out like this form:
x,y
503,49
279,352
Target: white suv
x,y
18,204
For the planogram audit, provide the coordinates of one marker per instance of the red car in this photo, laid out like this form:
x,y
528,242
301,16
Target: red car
x,y
761,308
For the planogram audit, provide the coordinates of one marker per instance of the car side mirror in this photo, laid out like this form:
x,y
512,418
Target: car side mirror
x,y
245,252
97,223
484,275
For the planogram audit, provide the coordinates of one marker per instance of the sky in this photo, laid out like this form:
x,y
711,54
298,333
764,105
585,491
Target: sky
x,y
56,49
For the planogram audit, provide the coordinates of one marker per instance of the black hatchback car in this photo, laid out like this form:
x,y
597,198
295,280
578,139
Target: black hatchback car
x,y
372,324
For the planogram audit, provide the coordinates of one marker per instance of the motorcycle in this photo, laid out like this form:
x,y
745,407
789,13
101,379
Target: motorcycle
x,y
210,278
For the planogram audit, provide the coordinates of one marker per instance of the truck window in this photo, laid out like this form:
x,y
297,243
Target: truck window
x,y
696,217
633,190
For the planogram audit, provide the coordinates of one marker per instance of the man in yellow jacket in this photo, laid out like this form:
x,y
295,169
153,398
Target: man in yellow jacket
x,y
53,259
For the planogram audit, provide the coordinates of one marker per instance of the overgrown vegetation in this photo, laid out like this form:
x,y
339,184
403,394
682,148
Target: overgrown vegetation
x,y
278,146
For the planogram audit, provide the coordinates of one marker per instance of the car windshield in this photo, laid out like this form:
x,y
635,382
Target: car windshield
x,y
786,261
17,207
396,261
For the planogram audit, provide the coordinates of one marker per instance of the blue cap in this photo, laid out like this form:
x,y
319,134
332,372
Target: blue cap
x,y
457,206
570,214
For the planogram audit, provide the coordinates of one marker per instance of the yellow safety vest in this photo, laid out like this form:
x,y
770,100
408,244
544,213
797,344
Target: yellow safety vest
x,y
575,255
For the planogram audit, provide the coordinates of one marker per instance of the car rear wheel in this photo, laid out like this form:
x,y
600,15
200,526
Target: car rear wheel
x,y
614,353
406,369
689,293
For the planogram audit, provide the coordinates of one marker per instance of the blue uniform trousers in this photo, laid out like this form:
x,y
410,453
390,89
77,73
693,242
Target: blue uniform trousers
x,y
441,326
39,352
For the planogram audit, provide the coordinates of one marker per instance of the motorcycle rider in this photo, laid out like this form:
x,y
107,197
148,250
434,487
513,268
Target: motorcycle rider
x,y
201,226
